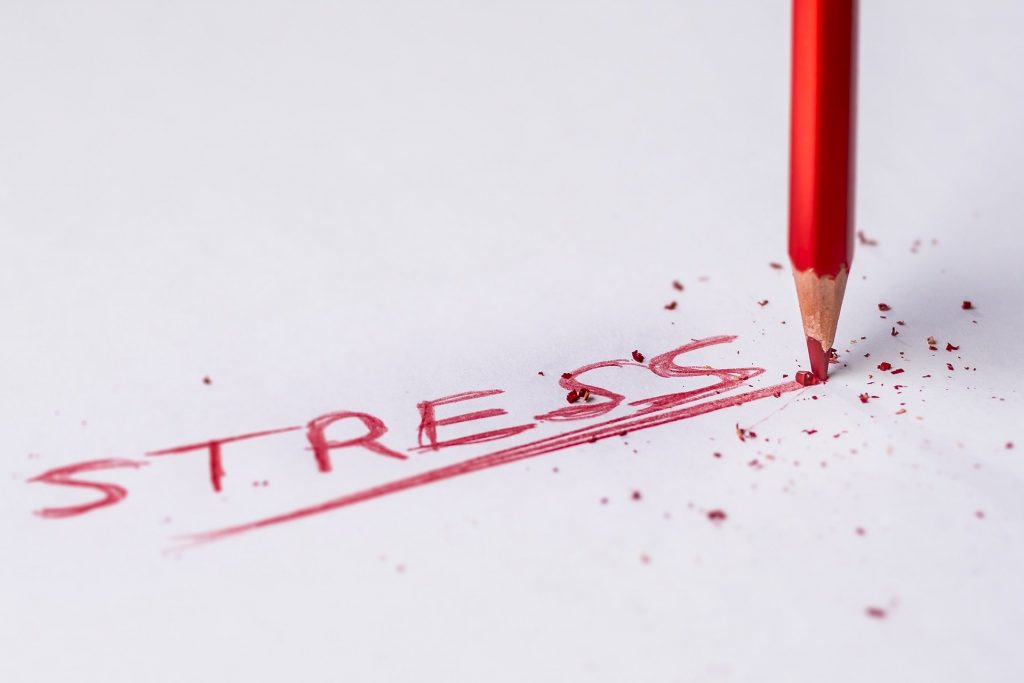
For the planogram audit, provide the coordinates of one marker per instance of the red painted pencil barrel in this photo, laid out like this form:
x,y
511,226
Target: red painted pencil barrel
x,y
822,135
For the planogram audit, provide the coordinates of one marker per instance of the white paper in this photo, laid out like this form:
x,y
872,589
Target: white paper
x,y
358,207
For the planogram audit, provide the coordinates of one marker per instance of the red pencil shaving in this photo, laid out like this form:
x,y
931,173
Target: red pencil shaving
x,y
807,379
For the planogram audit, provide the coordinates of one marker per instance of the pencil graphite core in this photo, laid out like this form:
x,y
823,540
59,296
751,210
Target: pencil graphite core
x,y
819,358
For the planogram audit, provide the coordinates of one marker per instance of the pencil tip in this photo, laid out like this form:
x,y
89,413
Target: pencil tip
x,y
820,299
819,358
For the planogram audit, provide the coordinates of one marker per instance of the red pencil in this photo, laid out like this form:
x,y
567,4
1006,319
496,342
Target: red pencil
x,y
821,165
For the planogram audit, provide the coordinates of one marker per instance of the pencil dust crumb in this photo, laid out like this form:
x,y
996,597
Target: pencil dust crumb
x,y
717,516
979,514
966,305
671,306
806,379
637,356
863,398
566,375
717,454
776,266
540,372
865,240
636,495
572,396
875,612
604,501
884,307
950,347
207,380
677,285
645,558
833,356
949,366
883,366
1009,445
762,303
897,371
860,531
894,333
744,433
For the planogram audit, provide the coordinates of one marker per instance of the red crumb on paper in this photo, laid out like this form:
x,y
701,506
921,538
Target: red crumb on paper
x,y
572,396
677,285
810,431
717,454
875,612
966,305
1009,445
884,307
207,380
671,306
894,333
645,558
744,434
833,356
883,366
863,398
950,347
776,266
865,240
762,303
636,495
949,366
897,371
540,372
806,379
637,356
979,514
566,375
717,516
860,531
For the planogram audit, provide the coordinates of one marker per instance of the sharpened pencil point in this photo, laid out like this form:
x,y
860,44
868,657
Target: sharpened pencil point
x,y
819,359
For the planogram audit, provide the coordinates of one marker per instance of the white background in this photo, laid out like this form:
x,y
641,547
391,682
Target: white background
x,y
358,206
